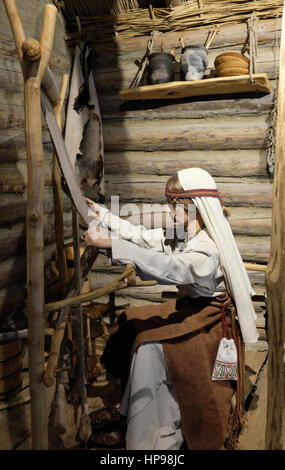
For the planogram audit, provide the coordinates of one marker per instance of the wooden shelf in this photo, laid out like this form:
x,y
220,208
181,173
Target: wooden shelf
x,y
208,86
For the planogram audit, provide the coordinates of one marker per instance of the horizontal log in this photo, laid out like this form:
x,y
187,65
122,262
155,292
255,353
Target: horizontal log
x,y
11,297
151,189
13,206
14,177
253,249
229,35
13,144
113,107
13,270
216,162
208,134
13,240
250,220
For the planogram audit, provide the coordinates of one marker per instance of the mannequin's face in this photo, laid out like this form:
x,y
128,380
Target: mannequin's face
x,y
188,221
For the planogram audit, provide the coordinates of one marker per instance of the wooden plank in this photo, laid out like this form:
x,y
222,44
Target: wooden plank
x,y
208,86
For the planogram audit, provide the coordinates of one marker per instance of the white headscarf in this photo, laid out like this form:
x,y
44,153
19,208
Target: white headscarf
x,y
235,275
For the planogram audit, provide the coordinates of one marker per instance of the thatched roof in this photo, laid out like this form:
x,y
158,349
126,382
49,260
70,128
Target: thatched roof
x,y
128,18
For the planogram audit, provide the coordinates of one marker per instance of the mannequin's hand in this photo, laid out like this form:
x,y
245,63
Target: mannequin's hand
x,y
94,207
94,236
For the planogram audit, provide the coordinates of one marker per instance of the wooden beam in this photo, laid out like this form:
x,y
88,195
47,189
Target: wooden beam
x,y
33,73
275,278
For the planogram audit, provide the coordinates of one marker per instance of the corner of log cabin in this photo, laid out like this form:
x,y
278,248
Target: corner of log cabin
x,y
145,141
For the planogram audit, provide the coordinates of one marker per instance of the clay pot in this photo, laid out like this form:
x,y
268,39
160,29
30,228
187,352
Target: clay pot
x,y
161,68
193,62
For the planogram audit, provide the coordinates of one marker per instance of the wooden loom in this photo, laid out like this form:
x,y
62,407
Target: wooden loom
x,y
40,90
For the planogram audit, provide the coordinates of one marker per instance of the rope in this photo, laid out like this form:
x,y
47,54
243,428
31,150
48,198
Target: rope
x,y
253,44
144,63
270,148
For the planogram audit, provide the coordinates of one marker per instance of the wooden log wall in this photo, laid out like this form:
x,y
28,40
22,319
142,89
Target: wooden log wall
x,y
13,168
145,142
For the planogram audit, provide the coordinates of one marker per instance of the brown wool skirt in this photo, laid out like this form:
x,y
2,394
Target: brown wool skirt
x,y
190,330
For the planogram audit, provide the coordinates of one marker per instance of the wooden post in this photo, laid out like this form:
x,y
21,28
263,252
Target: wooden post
x,y
34,216
275,278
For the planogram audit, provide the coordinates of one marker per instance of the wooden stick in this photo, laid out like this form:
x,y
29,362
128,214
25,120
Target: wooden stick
x,y
255,267
117,283
88,336
132,276
275,278
57,194
16,27
49,85
181,42
85,430
151,12
46,41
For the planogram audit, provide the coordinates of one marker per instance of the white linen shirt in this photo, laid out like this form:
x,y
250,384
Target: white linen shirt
x,y
192,265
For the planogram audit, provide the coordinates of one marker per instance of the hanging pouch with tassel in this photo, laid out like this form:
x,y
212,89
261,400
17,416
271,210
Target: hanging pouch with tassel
x,y
226,363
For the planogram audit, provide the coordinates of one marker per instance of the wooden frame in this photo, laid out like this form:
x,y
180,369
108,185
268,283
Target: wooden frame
x,y
34,65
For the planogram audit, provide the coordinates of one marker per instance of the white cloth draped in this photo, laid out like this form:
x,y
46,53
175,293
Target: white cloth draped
x,y
235,275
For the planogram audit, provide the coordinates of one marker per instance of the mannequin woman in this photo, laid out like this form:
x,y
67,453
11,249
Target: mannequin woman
x,y
164,355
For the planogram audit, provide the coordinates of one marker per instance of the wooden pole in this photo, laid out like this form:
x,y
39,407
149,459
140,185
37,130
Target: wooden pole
x,y
275,278
85,430
34,214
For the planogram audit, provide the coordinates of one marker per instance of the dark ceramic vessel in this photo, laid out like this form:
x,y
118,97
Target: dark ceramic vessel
x,y
161,68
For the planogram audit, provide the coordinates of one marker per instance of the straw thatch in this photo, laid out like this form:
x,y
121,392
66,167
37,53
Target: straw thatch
x,y
129,18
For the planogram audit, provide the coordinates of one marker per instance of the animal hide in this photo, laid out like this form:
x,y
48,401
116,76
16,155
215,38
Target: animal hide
x,y
83,133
